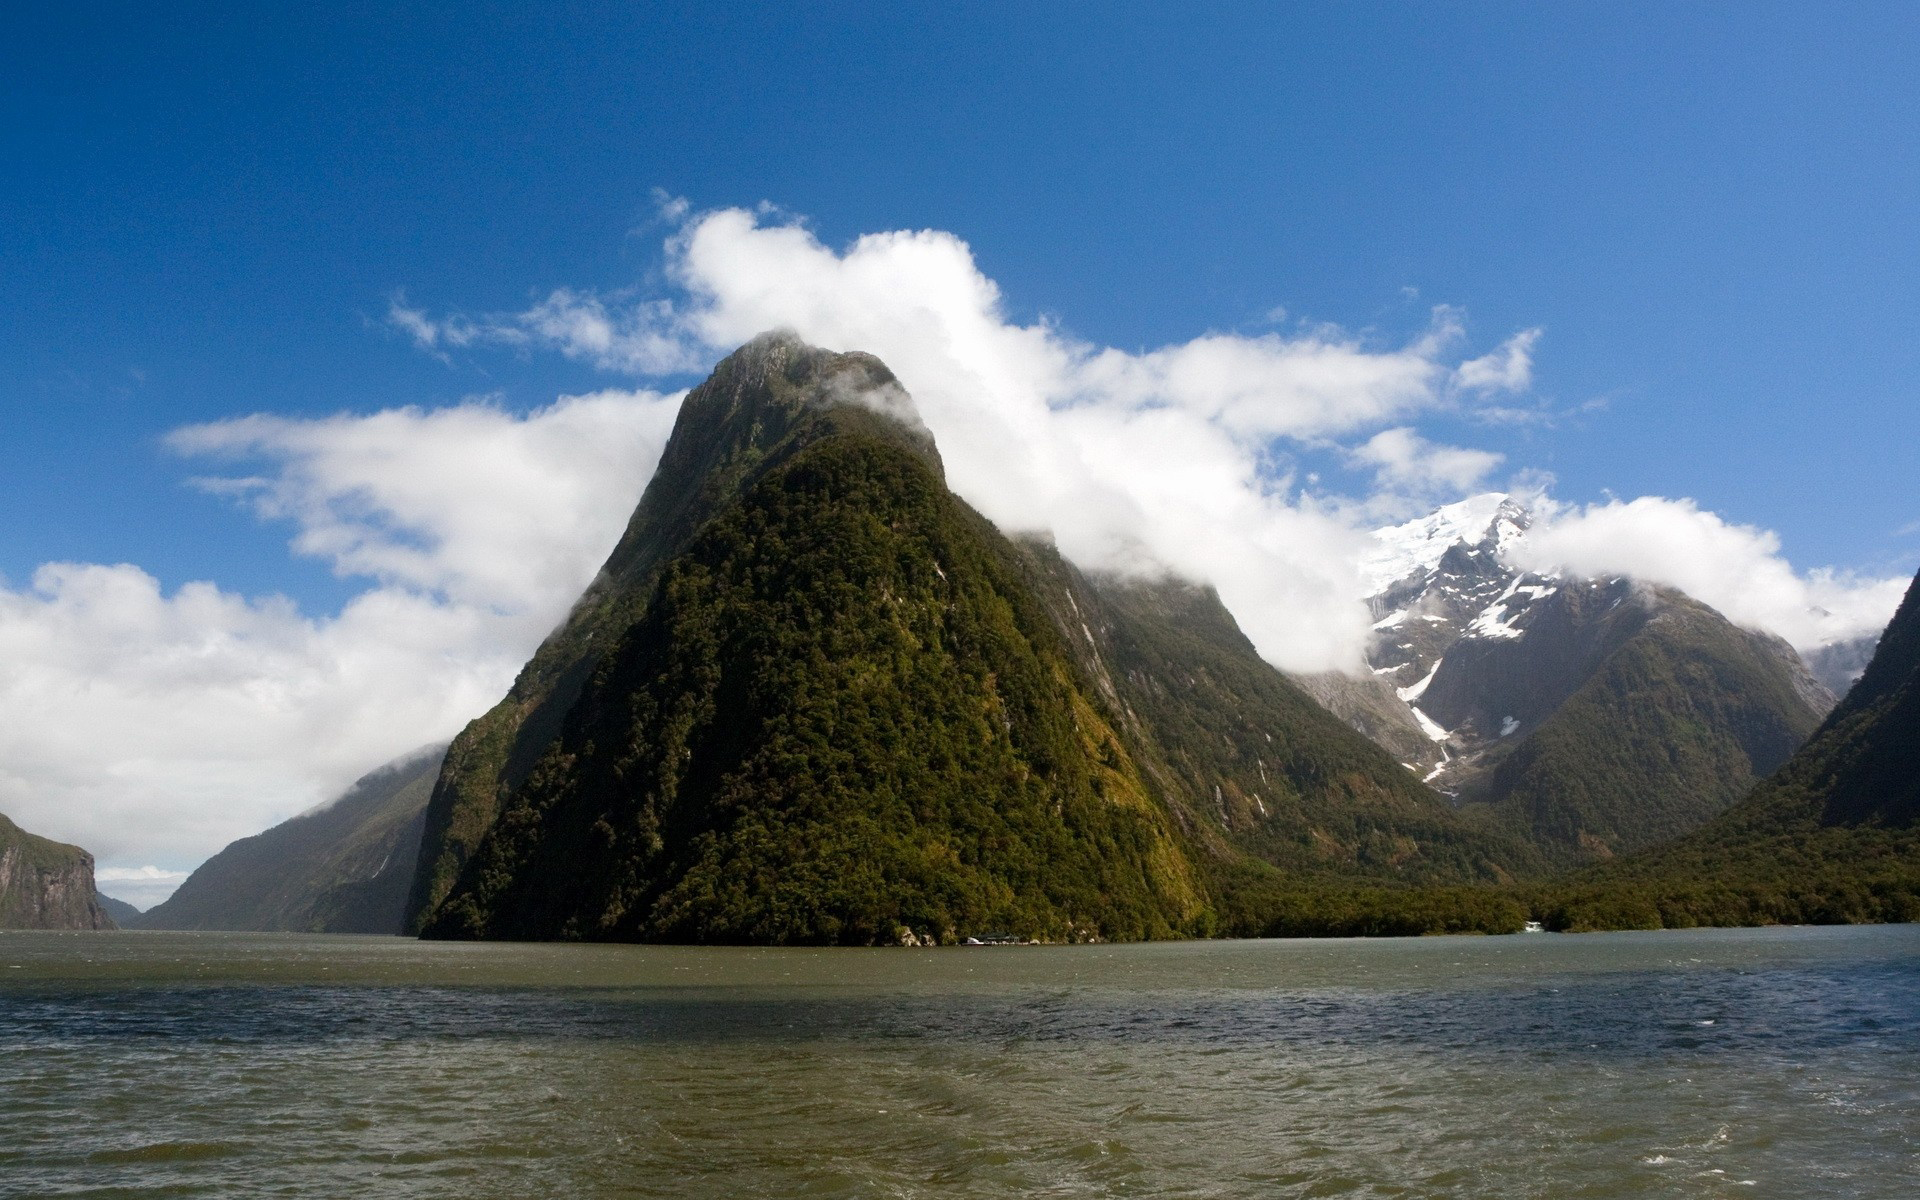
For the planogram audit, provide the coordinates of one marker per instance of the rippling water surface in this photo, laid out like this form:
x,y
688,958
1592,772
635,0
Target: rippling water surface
x,y
1705,1063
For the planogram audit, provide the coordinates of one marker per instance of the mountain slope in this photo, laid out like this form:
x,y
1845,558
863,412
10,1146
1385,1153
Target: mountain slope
x,y
762,404
1593,717
846,706
1834,835
1249,751
125,915
842,716
46,884
343,868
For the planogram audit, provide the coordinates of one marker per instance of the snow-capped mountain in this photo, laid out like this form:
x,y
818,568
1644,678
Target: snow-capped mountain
x,y
1484,658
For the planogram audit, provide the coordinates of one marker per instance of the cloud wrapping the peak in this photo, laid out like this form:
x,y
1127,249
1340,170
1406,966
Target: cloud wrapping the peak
x,y
1738,569
1172,458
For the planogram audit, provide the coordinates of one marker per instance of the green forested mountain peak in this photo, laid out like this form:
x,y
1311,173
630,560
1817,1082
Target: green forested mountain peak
x,y
762,404
842,716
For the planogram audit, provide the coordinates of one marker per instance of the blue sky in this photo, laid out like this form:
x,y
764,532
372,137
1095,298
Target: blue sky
x,y
1707,210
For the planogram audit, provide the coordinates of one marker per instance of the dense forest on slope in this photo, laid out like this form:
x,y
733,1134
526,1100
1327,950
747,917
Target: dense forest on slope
x,y
1833,836
764,402
1277,776
843,715
1681,715
342,868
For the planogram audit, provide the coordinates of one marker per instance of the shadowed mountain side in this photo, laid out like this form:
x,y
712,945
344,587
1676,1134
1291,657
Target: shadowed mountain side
x,y
125,915
1673,713
344,868
763,403
1833,836
46,884
1273,774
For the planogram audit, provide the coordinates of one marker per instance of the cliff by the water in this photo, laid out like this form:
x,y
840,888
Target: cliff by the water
x,y
46,884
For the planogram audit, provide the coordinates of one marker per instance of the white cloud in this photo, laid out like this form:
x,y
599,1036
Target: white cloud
x,y
156,727
1404,462
142,887
1738,569
1174,457
1507,369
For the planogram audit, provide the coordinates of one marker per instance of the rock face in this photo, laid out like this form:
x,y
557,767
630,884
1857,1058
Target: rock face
x,y
1594,716
46,884
343,868
814,697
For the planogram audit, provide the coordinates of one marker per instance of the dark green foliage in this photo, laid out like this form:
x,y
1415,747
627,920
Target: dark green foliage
x,y
344,868
1252,758
1257,901
842,715
766,401
1829,838
1677,722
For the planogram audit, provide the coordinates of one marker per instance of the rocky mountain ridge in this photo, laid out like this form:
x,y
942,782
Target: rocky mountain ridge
x,y
1485,658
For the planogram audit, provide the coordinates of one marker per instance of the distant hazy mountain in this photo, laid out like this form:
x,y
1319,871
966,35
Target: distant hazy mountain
x,y
1594,716
814,697
342,868
1839,665
1833,836
46,884
125,915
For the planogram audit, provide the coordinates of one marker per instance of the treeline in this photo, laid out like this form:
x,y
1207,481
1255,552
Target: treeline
x,y
1834,877
1265,903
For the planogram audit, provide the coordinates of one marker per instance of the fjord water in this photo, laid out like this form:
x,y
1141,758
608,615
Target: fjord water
x,y
1777,1062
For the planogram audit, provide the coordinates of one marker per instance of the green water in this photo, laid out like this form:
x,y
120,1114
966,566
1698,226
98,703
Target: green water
x,y
1706,1063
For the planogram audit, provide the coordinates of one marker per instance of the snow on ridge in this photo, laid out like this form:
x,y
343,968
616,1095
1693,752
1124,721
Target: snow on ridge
x,y
1420,544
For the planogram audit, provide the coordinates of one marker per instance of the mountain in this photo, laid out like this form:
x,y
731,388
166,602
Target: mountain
x,y
125,915
1596,717
1833,836
1839,665
760,407
844,708
1249,749
345,867
46,884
